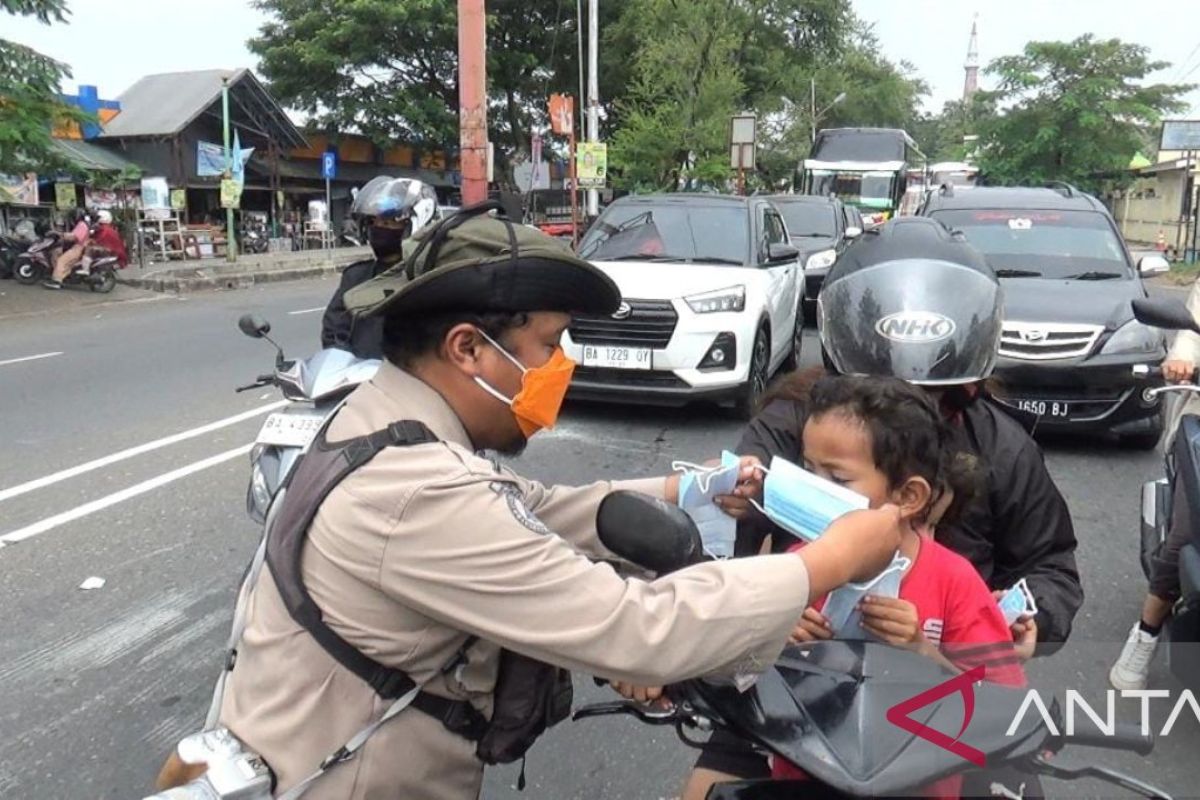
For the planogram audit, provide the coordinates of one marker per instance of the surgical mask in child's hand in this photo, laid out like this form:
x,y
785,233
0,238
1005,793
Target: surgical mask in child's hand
x,y
697,488
1016,602
841,606
804,503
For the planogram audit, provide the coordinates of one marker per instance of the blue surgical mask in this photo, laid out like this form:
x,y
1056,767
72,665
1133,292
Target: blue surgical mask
x,y
841,606
803,503
698,486
1018,600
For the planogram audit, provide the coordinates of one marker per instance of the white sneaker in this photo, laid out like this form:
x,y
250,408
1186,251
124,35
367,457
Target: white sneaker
x,y
1133,667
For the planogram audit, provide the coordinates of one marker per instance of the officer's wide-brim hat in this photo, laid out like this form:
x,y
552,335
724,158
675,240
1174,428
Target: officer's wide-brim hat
x,y
475,262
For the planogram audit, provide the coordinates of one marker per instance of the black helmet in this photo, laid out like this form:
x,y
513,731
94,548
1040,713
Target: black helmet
x,y
912,300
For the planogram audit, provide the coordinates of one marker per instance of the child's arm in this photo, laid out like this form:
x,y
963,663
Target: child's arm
x,y
895,621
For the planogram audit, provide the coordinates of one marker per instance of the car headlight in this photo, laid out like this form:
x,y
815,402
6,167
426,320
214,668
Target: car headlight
x,y
1133,337
731,299
821,260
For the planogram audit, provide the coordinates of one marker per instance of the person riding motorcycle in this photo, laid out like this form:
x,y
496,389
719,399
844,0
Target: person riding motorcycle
x,y
74,243
392,210
435,562
910,299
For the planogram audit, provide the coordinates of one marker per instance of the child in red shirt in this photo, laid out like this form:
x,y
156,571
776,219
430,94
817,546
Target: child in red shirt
x,y
887,441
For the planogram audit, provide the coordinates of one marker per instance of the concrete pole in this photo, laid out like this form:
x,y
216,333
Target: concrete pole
x,y
230,238
472,99
812,85
593,96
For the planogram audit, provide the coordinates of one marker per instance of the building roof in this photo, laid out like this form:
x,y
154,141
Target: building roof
x,y
92,157
165,104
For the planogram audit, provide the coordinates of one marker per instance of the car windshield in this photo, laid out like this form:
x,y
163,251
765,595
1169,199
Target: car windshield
x,y
1052,244
808,219
681,232
870,189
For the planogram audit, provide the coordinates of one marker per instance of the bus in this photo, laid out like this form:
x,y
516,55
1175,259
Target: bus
x,y
864,167
958,174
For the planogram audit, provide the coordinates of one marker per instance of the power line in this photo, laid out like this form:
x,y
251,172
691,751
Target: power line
x,y
1183,64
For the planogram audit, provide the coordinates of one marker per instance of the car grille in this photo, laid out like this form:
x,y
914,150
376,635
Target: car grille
x,y
649,324
1038,341
629,378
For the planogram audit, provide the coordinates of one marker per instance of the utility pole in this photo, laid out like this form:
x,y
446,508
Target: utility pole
x,y
812,85
593,95
230,239
472,100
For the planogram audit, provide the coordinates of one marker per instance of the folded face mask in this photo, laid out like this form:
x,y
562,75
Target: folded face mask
x,y
697,487
804,503
1017,601
841,606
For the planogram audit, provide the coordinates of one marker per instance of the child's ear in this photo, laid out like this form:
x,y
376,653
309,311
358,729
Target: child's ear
x,y
913,497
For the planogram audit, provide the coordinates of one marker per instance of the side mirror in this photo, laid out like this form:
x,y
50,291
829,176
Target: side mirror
x,y
1164,314
649,532
781,251
254,327
1153,265
853,232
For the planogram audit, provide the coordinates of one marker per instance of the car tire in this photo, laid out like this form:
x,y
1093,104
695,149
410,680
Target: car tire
x,y
792,362
750,394
1141,441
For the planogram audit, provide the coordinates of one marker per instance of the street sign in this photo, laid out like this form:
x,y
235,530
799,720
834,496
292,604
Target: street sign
x,y
741,141
329,165
591,164
1180,134
562,114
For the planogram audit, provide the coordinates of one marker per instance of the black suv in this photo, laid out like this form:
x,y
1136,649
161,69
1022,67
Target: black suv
x,y
819,227
1070,340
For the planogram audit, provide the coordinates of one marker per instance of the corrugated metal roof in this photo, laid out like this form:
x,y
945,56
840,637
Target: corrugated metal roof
x,y
163,105
92,156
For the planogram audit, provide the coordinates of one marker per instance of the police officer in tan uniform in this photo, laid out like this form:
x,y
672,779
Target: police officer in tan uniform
x,y
425,548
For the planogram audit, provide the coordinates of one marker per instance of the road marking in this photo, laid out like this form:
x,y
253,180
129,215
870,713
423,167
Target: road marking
x,y
29,358
306,311
63,475
50,523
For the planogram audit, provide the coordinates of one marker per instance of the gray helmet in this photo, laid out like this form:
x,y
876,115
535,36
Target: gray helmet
x,y
912,300
385,197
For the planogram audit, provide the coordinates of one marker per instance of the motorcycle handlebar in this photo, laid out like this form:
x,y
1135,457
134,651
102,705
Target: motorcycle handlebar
x,y
1154,372
1125,736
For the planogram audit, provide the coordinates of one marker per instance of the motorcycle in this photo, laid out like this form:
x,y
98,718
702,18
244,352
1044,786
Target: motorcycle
x,y
36,264
824,706
254,239
10,247
316,387
1182,463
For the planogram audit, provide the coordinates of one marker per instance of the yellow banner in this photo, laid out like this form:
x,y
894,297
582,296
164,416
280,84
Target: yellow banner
x,y
64,196
231,193
591,164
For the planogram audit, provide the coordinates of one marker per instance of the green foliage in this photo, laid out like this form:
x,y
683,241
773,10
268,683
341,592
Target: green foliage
x,y
29,95
1073,111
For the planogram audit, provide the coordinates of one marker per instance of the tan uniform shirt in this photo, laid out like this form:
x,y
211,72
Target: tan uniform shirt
x,y
428,543
1186,347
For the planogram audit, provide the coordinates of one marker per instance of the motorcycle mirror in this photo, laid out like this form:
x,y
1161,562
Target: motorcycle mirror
x,y
254,327
647,531
1169,315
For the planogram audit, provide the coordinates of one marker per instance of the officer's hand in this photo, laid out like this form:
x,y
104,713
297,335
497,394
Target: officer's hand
x,y
1178,370
857,546
749,487
640,694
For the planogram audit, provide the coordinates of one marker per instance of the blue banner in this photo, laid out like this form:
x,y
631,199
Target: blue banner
x,y
210,159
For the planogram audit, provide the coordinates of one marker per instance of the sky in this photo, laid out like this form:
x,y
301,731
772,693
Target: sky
x,y
111,43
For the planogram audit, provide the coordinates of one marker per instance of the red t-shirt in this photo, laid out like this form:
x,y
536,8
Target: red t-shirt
x,y
956,612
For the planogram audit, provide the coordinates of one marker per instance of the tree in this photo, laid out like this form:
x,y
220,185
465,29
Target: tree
x,y
389,70
29,94
1073,111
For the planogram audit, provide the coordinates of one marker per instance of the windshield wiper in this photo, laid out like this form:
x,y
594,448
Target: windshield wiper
x,y
1017,273
641,257
813,235
715,260
1093,276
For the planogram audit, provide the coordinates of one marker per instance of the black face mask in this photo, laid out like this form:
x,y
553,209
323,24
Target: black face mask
x,y
385,242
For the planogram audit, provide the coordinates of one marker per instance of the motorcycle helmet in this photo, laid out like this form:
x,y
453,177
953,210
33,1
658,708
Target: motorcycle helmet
x,y
395,200
104,217
913,300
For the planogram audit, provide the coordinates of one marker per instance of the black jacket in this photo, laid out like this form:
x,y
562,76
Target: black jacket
x,y
363,337
1018,526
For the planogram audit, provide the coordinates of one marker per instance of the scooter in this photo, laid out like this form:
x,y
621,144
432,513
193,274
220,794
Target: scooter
x,y
10,248
316,388
254,239
826,706
1182,464
36,264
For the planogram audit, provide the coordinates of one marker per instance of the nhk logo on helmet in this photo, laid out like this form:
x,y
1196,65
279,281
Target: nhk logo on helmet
x,y
915,326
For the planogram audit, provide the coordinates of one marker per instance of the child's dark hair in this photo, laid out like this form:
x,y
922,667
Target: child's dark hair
x,y
909,435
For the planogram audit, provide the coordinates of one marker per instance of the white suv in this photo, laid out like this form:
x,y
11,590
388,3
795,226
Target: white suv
x,y
713,301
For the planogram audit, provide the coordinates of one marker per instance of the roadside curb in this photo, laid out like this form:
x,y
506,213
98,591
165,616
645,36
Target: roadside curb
x,y
200,279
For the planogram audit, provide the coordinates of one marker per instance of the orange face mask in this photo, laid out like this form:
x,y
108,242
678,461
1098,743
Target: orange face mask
x,y
543,389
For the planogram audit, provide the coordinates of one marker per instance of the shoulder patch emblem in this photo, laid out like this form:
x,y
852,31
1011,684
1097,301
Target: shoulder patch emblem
x,y
516,505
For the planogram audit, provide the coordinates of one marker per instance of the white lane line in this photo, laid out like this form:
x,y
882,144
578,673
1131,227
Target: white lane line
x,y
50,523
306,311
63,475
29,358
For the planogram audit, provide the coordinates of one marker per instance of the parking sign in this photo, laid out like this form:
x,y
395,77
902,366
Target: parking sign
x,y
329,165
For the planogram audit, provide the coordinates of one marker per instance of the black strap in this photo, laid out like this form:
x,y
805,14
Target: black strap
x,y
321,469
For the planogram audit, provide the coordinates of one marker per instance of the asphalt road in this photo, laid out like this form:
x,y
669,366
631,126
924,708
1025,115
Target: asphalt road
x,y
96,686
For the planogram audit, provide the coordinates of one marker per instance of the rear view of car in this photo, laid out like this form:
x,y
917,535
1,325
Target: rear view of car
x,y
818,227
713,294
1070,340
